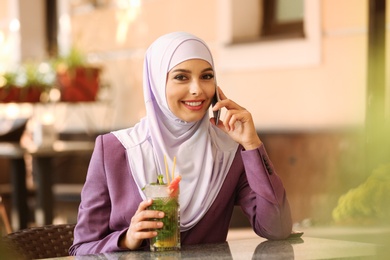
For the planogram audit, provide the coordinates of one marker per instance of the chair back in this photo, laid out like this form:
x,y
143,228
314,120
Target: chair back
x,y
4,217
41,242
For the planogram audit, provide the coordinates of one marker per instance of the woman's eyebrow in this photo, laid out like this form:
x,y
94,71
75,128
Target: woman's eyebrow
x,y
189,71
208,69
181,70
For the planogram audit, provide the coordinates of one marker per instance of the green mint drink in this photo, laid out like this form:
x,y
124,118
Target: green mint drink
x,y
168,237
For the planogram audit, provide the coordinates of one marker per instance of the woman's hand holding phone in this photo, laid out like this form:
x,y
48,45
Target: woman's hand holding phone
x,y
238,122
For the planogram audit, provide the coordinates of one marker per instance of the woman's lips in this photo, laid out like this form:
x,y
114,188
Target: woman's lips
x,y
193,105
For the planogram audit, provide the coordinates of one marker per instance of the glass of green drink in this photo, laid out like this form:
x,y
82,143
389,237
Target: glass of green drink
x,y
168,237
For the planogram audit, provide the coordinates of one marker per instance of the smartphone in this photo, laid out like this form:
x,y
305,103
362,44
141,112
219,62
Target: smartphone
x,y
296,234
214,101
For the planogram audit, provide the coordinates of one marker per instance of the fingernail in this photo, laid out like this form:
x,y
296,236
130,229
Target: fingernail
x,y
161,214
159,224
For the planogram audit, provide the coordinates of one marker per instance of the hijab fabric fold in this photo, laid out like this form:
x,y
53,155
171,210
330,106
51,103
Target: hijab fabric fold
x,y
204,153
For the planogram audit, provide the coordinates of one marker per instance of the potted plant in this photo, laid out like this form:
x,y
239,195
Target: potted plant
x,y
26,83
8,90
78,81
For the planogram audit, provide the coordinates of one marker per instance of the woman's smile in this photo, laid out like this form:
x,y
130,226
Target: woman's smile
x,y
193,105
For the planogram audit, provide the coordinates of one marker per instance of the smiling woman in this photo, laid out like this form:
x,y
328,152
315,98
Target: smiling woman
x,y
221,165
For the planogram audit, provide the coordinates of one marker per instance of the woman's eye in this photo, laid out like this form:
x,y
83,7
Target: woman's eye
x,y
180,77
208,76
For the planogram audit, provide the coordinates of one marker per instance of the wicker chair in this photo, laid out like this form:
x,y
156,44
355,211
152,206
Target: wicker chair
x,y
41,242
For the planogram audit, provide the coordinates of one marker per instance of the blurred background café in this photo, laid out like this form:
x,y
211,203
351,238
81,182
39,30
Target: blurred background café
x,y
313,73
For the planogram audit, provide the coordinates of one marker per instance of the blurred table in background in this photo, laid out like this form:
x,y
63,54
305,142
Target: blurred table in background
x,y
42,171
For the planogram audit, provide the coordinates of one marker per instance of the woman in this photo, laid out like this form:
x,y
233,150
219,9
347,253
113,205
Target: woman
x,y
221,166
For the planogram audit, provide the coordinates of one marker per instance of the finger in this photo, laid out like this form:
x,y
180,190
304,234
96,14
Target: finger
x,y
235,118
148,225
143,213
147,215
143,222
144,235
222,95
229,120
232,122
225,102
144,205
228,104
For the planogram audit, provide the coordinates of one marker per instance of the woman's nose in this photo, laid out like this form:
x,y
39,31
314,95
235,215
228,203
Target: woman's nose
x,y
195,88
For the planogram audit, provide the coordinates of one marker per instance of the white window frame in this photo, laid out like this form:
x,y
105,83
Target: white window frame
x,y
298,52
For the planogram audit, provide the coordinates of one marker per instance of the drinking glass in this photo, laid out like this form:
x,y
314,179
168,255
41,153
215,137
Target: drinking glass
x,y
168,237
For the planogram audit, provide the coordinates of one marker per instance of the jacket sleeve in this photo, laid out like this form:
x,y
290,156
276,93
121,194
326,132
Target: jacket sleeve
x,y
262,196
92,233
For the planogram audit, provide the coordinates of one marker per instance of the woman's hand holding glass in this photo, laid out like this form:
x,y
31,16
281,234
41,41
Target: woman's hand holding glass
x,y
141,226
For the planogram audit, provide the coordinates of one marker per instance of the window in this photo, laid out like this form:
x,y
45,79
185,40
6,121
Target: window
x,y
282,18
267,19
292,39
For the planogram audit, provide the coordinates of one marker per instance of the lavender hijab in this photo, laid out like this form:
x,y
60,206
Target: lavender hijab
x,y
204,153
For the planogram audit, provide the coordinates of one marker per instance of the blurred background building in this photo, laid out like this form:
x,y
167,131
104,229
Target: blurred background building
x,y
302,67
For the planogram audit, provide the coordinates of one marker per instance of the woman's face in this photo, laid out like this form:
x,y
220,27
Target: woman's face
x,y
190,88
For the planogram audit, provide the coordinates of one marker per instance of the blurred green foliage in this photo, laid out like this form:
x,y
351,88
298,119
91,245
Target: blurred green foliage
x,y
369,203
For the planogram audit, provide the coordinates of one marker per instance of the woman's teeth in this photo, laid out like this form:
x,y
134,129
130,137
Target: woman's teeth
x,y
193,104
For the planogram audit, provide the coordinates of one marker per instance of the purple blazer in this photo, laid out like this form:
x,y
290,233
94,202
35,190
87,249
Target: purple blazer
x,y
110,198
